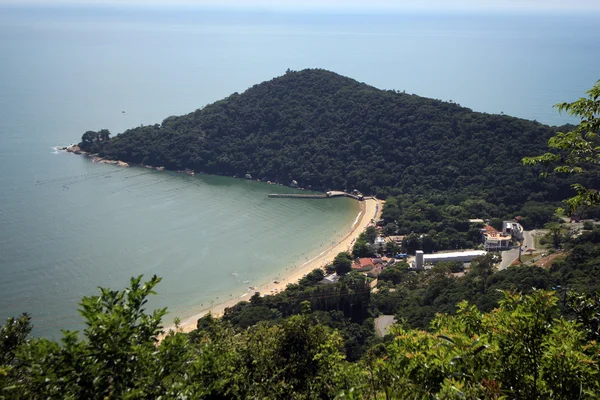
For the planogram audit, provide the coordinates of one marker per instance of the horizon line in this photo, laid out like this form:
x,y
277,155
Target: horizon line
x,y
325,8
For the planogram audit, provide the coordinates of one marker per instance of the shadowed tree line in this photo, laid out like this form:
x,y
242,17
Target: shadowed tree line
x,y
327,131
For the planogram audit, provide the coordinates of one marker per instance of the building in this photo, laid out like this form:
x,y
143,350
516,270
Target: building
x,y
378,245
363,264
330,279
494,240
476,221
419,264
396,239
513,229
457,256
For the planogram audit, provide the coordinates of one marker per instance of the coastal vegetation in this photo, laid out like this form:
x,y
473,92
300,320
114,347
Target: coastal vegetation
x,y
578,150
437,163
440,222
524,348
526,332
326,131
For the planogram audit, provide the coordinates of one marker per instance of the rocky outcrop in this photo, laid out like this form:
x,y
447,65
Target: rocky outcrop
x,y
74,149
100,160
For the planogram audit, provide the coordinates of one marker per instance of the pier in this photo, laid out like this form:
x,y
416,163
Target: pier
x,y
327,195
297,196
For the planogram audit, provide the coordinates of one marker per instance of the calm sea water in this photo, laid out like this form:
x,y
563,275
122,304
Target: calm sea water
x,y
67,225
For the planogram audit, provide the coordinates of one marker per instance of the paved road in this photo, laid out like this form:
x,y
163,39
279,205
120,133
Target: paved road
x,y
528,239
511,255
382,324
508,257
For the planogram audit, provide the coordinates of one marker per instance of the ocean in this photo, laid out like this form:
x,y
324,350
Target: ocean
x,y
68,225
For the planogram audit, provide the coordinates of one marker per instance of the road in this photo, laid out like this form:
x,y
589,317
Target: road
x,y
508,256
529,243
511,255
382,324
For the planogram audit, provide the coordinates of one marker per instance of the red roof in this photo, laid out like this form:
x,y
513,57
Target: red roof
x,y
363,263
490,229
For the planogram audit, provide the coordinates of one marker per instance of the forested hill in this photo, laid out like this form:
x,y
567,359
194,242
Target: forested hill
x,y
327,131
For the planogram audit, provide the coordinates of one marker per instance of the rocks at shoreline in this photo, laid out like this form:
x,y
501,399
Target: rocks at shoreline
x,y
75,149
151,167
96,159
100,160
185,171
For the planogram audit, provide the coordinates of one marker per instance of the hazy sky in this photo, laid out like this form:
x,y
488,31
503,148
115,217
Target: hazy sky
x,y
345,5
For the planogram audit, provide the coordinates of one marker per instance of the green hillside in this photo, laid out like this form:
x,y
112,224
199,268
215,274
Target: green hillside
x,y
327,131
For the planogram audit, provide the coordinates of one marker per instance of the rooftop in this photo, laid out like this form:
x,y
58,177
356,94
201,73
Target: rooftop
x,y
456,254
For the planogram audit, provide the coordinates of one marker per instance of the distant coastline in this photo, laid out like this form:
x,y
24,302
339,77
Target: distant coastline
x,y
75,149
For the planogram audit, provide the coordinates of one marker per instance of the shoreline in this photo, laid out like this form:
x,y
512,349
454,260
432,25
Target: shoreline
x,y
370,210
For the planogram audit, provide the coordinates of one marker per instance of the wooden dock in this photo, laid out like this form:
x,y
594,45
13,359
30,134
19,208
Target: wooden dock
x,y
327,195
297,196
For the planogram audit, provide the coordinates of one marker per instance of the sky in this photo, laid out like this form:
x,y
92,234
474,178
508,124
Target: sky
x,y
342,5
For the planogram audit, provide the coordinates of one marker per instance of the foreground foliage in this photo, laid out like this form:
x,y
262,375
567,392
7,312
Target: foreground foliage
x,y
522,349
577,150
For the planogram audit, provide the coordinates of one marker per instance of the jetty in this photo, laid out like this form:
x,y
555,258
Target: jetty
x,y
328,195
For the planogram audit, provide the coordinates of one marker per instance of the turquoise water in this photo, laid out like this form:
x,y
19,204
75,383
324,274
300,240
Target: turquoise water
x,y
67,225
79,225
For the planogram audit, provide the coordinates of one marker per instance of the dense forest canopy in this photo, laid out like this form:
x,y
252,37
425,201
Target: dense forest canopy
x,y
527,332
327,131
319,342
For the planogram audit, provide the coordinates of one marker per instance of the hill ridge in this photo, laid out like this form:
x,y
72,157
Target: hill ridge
x,y
328,131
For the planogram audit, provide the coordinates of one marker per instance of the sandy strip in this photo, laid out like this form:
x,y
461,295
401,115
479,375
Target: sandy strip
x,y
370,209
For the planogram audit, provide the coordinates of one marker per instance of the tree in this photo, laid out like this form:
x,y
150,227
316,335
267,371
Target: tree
x,y
314,276
554,233
116,357
13,334
392,248
520,350
428,244
104,135
342,263
578,149
361,248
390,229
394,274
412,243
481,268
371,234
88,139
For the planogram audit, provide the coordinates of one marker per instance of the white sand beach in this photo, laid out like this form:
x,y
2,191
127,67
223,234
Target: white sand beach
x,y
370,210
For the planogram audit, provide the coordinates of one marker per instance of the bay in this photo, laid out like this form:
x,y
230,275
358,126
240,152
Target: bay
x,y
68,225
82,225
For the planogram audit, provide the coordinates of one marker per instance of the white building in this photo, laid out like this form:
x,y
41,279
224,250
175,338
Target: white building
x,y
494,240
419,259
378,245
512,228
457,256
